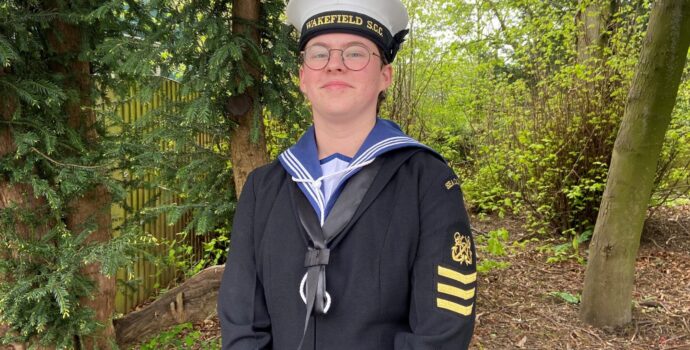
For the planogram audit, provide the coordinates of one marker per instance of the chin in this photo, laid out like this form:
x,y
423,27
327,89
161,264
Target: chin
x,y
336,115
336,109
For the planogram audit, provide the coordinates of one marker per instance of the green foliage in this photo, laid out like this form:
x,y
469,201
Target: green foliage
x,y
488,265
215,250
493,244
183,145
179,143
182,336
49,285
181,254
568,250
673,171
524,115
54,155
567,297
179,146
281,135
43,300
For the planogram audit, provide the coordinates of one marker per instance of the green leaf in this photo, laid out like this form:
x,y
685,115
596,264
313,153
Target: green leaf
x,y
7,52
495,247
567,297
488,265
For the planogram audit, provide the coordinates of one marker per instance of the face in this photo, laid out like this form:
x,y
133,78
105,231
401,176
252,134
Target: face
x,y
337,93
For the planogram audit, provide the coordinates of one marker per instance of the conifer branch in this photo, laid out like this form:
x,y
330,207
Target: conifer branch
x,y
88,167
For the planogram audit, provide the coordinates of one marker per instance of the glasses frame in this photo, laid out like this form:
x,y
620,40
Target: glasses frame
x,y
342,56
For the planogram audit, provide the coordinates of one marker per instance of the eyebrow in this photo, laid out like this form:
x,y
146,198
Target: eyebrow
x,y
349,43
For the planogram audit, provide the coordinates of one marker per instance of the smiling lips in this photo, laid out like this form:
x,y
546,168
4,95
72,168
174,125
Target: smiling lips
x,y
336,84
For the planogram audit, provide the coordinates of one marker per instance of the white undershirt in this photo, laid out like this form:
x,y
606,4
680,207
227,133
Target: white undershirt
x,y
329,165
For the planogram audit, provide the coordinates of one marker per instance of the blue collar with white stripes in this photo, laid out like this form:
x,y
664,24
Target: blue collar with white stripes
x,y
301,161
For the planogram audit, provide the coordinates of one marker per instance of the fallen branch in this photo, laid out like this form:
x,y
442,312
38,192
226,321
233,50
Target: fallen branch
x,y
192,301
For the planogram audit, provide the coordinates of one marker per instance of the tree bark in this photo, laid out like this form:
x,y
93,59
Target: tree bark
x,y
592,22
20,195
95,205
246,154
66,39
192,301
609,277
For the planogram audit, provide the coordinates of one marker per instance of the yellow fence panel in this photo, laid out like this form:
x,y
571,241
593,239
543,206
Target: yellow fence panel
x,y
147,278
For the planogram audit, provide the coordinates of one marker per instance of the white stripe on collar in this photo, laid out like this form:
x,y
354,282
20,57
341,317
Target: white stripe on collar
x,y
389,137
316,184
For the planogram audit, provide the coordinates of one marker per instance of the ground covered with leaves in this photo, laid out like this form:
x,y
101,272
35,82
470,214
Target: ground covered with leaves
x,y
530,288
533,304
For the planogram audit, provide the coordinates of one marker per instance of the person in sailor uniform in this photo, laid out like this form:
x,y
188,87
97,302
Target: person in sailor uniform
x,y
356,237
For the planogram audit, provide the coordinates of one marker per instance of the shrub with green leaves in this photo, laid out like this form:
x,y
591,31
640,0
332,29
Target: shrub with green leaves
x,y
525,114
546,127
673,172
490,246
43,284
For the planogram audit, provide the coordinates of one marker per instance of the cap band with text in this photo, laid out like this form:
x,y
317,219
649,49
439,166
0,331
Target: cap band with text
x,y
384,22
346,21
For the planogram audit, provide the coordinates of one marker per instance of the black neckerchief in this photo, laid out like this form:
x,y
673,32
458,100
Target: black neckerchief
x,y
318,254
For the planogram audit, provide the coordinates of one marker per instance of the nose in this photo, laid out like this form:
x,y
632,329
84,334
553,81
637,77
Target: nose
x,y
335,62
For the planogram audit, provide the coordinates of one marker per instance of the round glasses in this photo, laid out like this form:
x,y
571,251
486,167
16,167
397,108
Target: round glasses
x,y
354,57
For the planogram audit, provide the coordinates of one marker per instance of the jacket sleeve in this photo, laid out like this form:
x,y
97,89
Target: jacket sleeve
x,y
244,319
444,278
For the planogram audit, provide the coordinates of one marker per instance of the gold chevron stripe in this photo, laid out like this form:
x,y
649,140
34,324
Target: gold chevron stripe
x,y
456,292
454,275
455,307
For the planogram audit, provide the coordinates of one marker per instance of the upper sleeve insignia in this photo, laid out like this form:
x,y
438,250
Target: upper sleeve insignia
x,y
452,182
462,249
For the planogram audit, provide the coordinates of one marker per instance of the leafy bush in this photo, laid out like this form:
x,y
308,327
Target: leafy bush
x,y
568,250
43,285
673,172
182,255
525,116
544,136
493,244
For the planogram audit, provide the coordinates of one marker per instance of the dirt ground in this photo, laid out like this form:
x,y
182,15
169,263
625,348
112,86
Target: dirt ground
x,y
515,309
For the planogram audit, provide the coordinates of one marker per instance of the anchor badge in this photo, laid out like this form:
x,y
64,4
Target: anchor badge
x,y
462,251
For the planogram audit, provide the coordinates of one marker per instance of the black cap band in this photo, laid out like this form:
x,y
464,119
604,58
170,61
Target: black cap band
x,y
352,23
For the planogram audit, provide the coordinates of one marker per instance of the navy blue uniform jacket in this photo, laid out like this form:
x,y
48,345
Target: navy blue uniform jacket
x,y
402,275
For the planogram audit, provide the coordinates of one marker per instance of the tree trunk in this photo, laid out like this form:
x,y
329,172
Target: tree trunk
x,y
609,278
7,146
95,205
65,39
592,22
246,152
19,195
192,301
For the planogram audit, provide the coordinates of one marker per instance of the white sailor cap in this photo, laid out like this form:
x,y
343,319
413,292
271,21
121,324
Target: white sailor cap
x,y
381,21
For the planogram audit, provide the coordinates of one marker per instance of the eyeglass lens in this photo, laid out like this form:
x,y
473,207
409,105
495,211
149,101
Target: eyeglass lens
x,y
354,57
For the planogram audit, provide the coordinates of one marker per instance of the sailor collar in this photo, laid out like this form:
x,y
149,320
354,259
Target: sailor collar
x,y
301,161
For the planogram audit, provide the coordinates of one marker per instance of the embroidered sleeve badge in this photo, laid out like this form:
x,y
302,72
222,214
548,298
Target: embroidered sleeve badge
x,y
462,250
